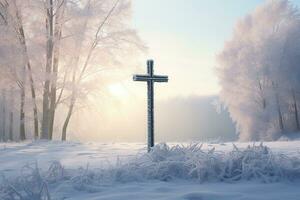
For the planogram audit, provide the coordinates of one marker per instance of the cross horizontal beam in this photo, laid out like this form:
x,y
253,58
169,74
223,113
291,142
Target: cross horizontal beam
x,y
155,78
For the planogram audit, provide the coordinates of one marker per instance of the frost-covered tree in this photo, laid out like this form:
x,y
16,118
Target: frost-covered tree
x,y
259,70
14,62
51,52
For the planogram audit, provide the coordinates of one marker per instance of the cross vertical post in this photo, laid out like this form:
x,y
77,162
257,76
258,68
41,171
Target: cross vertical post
x,y
150,78
150,106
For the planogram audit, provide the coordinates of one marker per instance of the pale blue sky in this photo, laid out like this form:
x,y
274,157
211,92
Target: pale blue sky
x,y
184,36
199,22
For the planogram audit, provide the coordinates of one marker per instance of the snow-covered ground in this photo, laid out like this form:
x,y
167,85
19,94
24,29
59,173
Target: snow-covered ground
x,y
95,171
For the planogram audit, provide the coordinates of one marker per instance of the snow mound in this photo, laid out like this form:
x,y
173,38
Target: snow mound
x,y
191,162
164,163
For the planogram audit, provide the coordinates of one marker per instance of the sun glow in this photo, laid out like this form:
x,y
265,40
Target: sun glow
x,y
117,90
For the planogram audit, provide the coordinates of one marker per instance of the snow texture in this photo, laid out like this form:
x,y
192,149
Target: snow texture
x,y
166,164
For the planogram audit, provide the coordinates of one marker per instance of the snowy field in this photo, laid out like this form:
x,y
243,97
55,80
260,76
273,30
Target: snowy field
x,y
70,170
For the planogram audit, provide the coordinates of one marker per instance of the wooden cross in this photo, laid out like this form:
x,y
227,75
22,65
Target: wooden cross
x,y
150,78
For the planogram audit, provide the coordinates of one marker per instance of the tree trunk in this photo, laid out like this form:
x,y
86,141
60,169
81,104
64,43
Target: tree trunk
x,y
280,119
22,115
11,127
264,102
22,40
75,68
22,104
4,138
33,95
49,62
71,106
11,116
296,110
52,108
53,98
66,123
56,54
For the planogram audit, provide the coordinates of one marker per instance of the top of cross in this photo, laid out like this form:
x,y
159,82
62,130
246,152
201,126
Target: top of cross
x,y
150,75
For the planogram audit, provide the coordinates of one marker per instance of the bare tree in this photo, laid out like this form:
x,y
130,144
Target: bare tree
x,y
56,62
54,24
13,18
21,35
76,82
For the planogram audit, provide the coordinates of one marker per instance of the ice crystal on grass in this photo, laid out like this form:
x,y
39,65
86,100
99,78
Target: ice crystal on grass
x,y
165,163
30,185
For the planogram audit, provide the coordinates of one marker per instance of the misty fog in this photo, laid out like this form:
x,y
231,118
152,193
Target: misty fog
x,y
179,119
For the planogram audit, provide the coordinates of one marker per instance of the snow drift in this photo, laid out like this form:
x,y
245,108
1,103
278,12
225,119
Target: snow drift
x,y
164,163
